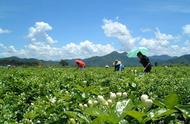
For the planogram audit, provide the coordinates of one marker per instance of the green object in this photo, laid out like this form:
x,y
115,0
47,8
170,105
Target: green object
x,y
133,53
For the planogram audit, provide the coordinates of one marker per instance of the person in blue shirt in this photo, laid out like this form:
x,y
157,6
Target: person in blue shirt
x,y
118,65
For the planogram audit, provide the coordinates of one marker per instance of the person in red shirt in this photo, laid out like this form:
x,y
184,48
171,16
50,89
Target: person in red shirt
x,y
80,64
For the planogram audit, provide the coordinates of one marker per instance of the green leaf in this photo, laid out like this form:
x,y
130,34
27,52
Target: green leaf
x,y
171,100
30,115
162,113
1,101
82,117
97,121
92,111
71,114
123,105
185,109
105,117
77,116
80,88
136,115
127,108
158,103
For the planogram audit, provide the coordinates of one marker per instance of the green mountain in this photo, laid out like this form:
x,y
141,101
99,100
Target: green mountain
x,y
185,59
25,61
99,60
109,58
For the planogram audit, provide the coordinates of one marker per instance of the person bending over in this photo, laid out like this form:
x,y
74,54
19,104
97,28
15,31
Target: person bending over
x,y
144,60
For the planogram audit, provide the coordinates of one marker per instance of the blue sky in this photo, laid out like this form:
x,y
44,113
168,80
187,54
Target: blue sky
x,y
84,28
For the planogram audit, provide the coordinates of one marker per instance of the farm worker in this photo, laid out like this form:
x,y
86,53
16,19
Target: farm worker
x,y
80,64
144,60
118,65
107,66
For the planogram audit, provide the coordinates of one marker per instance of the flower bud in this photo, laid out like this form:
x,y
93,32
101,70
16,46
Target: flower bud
x,y
72,121
101,98
118,94
53,100
148,102
144,97
90,103
112,96
105,103
85,105
84,81
125,94
81,105
66,92
95,102
109,101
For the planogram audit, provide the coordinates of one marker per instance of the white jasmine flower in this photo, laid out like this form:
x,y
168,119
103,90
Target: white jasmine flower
x,y
81,105
101,98
53,100
83,95
109,101
148,102
151,114
66,92
112,96
90,103
84,81
125,94
95,102
133,85
105,103
119,94
144,97
72,121
38,121
85,105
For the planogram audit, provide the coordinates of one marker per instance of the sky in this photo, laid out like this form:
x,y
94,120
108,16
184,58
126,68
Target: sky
x,y
66,29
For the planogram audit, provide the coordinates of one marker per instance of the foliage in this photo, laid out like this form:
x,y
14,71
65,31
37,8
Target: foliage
x,y
63,63
94,95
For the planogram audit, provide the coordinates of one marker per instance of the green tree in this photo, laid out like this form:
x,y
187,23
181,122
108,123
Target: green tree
x,y
63,63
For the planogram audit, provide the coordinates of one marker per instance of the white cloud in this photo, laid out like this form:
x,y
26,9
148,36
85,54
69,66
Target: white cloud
x,y
10,51
163,37
160,39
87,49
84,49
2,46
186,29
38,33
4,31
146,30
41,46
177,50
120,31
187,43
163,44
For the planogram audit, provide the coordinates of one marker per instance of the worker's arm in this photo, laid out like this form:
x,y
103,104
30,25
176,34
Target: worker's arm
x,y
146,66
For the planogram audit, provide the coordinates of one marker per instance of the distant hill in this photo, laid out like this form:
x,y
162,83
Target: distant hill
x,y
109,58
161,57
25,61
185,59
102,60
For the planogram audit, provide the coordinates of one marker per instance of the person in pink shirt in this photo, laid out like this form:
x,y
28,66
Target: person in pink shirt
x,y
80,64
